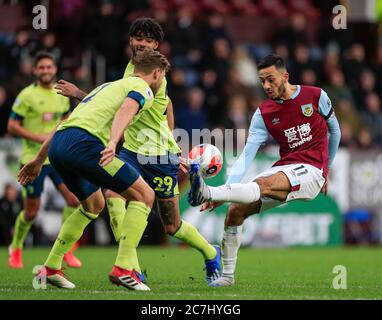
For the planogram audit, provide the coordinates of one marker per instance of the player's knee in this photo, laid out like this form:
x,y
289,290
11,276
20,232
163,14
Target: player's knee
x,y
110,194
31,212
95,206
72,201
146,196
235,215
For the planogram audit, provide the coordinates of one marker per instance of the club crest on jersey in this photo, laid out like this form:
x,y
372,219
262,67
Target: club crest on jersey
x,y
307,109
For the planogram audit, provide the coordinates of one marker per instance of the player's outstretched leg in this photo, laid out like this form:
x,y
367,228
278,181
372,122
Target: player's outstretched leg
x,y
236,192
199,192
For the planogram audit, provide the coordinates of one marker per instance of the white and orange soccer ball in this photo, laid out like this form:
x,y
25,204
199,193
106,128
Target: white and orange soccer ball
x,y
208,157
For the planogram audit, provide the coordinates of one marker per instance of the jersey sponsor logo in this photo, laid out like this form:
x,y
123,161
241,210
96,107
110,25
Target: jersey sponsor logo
x,y
48,116
307,109
298,136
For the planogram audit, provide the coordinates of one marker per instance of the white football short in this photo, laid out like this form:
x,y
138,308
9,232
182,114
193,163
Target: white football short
x,y
306,181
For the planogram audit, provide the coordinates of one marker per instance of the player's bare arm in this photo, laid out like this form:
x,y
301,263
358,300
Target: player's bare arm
x,y
170,115
121,121
16,128
70,90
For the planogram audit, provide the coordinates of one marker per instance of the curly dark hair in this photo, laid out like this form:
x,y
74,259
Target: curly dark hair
x,y
146,27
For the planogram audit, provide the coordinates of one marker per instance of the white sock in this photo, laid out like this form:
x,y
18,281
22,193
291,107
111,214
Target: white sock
x,y
230,245
236,192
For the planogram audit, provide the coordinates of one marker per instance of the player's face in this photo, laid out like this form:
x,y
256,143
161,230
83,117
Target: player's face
x,y
139,43
45,71
158,76
273,82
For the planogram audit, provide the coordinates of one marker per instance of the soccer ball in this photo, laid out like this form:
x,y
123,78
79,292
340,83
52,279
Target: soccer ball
x,y
208,157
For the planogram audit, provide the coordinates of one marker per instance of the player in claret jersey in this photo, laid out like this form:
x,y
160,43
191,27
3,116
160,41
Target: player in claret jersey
x,y
37,110
299,118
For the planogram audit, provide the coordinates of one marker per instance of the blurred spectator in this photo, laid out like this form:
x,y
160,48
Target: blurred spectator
x,y
346,113
214,98
185,38
5,110
302,61
372,117
221,62
331,62
365,140
308,77
19,51
105,34
177,88
21,79
246,67
10,206
48,44
337,88
294,33
237,115
354,63
347,135
192,116
211,30
366,85
378,68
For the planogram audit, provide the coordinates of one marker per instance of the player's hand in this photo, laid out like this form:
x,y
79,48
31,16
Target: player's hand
x,y
184,166
29,172
42,138
108,154
67,89
211,205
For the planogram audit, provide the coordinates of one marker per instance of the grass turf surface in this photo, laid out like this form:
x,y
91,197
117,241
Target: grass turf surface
x,y
175,273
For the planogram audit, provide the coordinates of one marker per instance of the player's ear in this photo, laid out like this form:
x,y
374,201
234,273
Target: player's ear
x,y
286,76
156,45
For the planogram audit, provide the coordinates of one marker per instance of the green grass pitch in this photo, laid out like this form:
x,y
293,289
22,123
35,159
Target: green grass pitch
x,y
177,273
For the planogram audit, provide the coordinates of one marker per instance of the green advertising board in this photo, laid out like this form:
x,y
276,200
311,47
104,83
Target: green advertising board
x,y
297,223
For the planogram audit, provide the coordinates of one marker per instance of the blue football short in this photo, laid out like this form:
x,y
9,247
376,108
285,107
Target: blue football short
x,y
160,172
35,188
75,154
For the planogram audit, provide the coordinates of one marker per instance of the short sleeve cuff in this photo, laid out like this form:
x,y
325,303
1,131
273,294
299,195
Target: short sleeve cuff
x,y
16,116
137,97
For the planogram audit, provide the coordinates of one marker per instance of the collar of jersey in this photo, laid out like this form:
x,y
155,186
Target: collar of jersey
x,y
294,95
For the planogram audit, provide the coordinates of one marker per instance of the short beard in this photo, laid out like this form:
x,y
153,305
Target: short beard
x,y
281,90
46,83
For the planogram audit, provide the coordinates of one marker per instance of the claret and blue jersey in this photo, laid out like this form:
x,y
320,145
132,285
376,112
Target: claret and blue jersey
x,y
300,125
